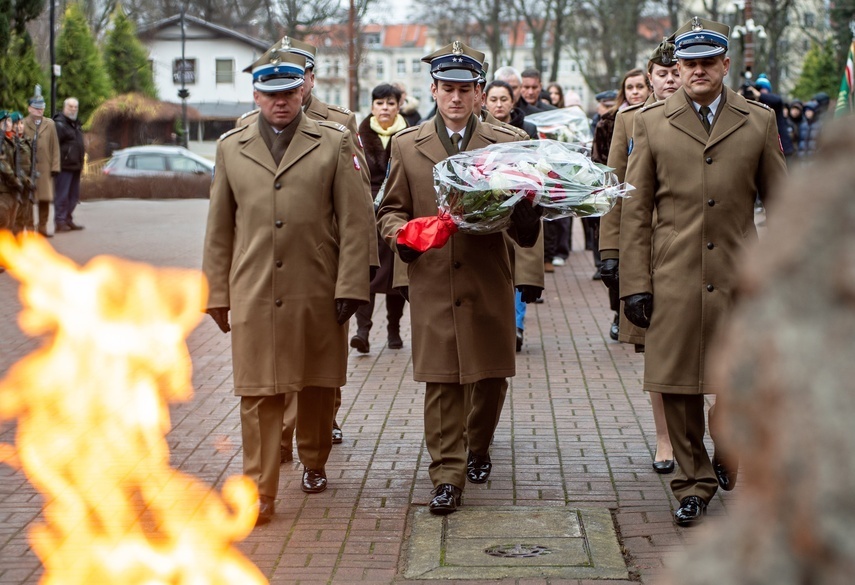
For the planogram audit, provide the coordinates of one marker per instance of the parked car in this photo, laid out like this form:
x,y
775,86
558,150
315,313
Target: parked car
x,y
157,172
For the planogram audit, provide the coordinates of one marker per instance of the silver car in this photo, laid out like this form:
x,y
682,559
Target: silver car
x,y
159,171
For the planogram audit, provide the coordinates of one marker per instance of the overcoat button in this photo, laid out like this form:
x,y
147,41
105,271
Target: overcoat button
x,y
277,185
709,160
710,245
711,203
279,223
279,264
278,302
457,303
457,265
710,287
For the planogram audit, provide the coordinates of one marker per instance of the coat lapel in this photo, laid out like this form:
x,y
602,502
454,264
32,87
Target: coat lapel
x,y
254,148
682,116
732,116
428,143
484,136
306,139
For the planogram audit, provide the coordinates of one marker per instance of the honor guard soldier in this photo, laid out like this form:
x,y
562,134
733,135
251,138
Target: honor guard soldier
x,y
461,295
698,160
11,183
285,257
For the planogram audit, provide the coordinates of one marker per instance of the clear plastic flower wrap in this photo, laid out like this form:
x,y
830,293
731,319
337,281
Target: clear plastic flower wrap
x,y
564,125
476,190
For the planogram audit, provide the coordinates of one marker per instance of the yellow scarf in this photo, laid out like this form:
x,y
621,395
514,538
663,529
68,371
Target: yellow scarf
x,y
386,135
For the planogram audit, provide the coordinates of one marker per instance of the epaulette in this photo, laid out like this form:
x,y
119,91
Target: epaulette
x,y
225,135
756,103
651,106
634,107
505,130
341,109
246,115
334,125
407,130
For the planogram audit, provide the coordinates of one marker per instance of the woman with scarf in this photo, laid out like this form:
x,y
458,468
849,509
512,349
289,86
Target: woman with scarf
x,y
376,132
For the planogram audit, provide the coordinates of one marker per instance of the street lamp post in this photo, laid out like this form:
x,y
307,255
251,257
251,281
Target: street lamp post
x,y
183,93
747,32
52,60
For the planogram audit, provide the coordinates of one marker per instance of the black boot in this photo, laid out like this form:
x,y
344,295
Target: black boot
x,y
393,337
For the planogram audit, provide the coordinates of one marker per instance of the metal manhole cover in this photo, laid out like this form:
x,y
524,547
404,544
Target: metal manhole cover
x,y
517,551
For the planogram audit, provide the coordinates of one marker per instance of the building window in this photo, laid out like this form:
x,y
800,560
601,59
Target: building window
x,y
335,68
337,97
225,70
810,20
381,68
372,39
417,65
402,67
187,71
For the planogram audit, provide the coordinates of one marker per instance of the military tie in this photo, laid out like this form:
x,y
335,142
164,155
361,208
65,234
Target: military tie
x,y
455,142
705,112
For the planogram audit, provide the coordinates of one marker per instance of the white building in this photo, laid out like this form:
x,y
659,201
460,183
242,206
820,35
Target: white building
x,y
214,57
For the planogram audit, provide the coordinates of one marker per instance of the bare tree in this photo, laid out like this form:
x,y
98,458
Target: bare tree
x,y
537,15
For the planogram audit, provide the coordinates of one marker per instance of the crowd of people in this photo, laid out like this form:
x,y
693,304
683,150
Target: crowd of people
x,y
306,206
287,272
41,160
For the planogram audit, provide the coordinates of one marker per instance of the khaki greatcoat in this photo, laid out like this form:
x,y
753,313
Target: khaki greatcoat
x,y
702,189
610,222
281,245
462,295
47,157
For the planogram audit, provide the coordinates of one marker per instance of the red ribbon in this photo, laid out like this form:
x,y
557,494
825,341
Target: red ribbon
x,y
423,233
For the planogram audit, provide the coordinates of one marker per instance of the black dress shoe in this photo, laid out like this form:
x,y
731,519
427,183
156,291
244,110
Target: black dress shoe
x,y
265,510
663,467
519,339
285,455
691,511
394,341
614,330
337,436
360,343
446,499
726,477
74,226
314,481
61,227
478,467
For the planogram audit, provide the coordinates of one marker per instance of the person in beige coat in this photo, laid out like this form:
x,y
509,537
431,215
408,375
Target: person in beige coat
x,y
47,157
698,160
461,295
285,255
664,77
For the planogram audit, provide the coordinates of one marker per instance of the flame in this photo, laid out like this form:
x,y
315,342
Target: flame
x,y
91,410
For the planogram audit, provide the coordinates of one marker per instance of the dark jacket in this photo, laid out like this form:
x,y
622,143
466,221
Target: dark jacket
x,y
603,137
776,104
71,147
518,121
376,156
527,108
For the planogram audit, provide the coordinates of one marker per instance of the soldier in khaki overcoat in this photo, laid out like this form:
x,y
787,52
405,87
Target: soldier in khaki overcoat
x,y
698,160
461,295
664,77
47,156
320,111
285,253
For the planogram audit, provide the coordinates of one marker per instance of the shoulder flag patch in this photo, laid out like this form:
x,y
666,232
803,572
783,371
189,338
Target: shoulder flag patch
x,y
356,163
359,141
629,147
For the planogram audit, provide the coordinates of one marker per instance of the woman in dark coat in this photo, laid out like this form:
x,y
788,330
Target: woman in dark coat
x,y
376,132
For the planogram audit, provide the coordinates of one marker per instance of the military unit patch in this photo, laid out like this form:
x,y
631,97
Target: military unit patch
x,y
356,163
629,147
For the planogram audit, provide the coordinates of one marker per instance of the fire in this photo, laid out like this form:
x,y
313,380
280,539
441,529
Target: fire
x,y
91,410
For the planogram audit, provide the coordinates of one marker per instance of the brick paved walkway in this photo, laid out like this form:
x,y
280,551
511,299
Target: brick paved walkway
x,y
576,429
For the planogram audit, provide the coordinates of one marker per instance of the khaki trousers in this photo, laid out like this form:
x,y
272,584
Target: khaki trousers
x,y
446,416
289,420
479,428
684,415
261,429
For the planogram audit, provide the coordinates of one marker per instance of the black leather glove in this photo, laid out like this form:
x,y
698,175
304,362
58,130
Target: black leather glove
x,y
638,308
406,253
405,292
345,308
220,315
372,272
609,272
527,221
529,293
